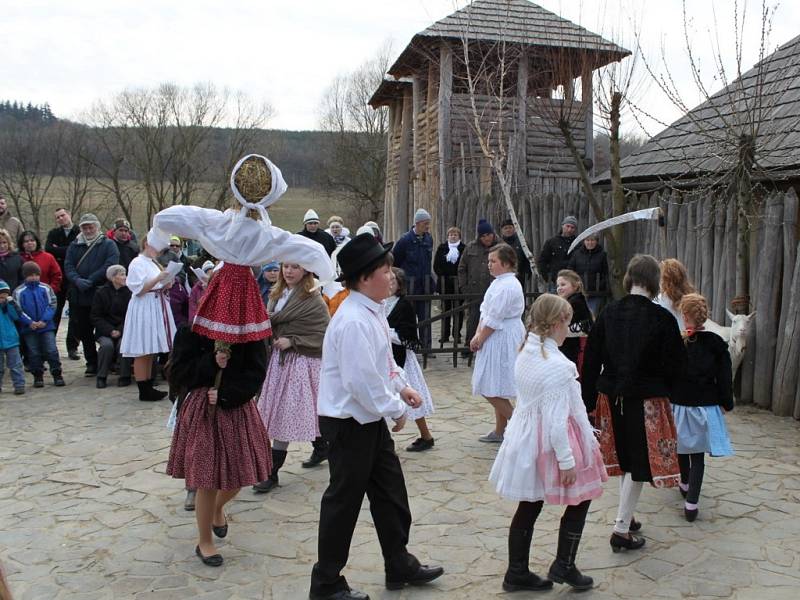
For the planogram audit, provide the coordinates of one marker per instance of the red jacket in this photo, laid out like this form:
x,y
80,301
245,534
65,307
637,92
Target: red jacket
x,y
51,272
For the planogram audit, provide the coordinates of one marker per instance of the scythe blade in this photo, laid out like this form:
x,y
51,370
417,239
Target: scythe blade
x,y
644,214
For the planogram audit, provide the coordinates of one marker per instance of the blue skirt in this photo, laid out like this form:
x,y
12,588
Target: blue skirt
x,y
701,429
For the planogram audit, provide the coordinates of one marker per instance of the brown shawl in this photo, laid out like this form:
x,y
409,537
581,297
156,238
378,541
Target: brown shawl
x,y
303,321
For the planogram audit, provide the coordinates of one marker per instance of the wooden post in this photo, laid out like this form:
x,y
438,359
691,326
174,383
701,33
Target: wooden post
x,y
767,296
718,270
588,122
786,371
403,165
388,197
790,205
445,144
521,126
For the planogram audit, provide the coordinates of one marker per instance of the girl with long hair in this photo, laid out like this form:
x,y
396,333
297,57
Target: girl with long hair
x,y
288,401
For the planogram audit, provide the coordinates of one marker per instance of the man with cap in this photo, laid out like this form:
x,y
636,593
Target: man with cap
x,y
312,231
85,264
554,255
128,250
509,234
413,253
473,272
58,240
361,386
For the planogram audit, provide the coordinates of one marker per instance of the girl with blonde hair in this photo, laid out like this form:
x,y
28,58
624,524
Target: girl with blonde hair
x,y
288,402
549,453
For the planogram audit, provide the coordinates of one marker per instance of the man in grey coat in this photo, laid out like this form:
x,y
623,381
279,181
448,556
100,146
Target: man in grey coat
x,y
88,257
473,272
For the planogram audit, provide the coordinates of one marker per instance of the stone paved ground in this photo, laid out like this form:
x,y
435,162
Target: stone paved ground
x,y
87,512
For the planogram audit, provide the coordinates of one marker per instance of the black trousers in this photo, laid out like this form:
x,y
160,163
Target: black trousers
x,y
693,468
72,337
361,460
83,322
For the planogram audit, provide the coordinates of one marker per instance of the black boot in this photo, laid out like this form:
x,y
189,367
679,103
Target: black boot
x,y
147,393
319,454
563,569
58,379
278,458
518,576
38,379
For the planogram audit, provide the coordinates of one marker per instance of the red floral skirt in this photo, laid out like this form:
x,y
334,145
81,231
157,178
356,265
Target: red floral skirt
x,y
226,450
231,309
659,435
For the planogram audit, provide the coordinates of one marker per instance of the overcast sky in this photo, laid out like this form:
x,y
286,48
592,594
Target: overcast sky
x,y
70,53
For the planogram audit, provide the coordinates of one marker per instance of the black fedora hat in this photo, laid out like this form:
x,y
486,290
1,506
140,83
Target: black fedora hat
x,y
359,253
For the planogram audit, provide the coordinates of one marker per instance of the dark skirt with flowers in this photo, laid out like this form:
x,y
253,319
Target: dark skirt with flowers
x,y
218,449
638,436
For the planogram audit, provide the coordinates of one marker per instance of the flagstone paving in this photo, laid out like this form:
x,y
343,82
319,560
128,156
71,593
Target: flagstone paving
x,y
87,512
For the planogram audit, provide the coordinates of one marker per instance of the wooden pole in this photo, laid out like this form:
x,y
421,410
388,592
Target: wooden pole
x,y
404,165
445,143
786,371
767,296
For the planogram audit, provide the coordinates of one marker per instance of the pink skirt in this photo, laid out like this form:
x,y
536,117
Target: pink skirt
x,y
589,477
226,452
288,401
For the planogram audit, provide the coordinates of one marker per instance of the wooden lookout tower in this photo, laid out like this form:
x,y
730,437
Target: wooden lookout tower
x,y
495,75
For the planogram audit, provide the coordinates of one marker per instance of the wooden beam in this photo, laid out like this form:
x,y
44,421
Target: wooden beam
x,y
586,101
388,197
444,211
521,131
403,166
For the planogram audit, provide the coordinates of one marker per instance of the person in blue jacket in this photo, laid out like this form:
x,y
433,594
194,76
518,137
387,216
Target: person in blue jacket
x,y
414,254
9,341
37,304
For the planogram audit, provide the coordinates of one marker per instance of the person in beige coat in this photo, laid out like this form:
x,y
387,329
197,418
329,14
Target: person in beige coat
x,y
10,223
473,272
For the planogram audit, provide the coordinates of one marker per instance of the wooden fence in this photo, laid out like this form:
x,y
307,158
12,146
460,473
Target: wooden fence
x,y
701,233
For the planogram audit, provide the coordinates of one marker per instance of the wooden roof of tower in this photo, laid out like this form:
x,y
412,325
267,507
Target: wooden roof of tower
x,y
701,142
515,21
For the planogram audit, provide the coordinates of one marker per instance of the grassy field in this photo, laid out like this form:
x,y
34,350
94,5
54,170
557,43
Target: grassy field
x,y
287,213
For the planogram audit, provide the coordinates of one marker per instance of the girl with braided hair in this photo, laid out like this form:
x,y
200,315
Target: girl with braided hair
x,y
549,453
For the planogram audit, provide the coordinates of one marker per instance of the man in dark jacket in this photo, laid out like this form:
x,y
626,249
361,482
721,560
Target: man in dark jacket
x,y
312,231
413,253
473,272
128,250
88,258
589,260
58,239
509,234
555,252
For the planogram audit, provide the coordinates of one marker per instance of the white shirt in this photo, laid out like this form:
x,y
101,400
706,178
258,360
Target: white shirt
x,y
244,242
359,377
503,301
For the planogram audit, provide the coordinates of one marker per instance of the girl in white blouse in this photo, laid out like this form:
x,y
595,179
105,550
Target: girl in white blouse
x,y
550,453
499,335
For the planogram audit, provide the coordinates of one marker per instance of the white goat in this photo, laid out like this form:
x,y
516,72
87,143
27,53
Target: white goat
x,y
735,335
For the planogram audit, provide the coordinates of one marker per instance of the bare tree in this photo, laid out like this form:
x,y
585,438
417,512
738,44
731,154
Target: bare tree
x,y
354,165
31,156
78,167
730,126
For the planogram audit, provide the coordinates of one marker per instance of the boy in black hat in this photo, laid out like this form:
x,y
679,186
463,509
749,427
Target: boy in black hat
x,y
360,385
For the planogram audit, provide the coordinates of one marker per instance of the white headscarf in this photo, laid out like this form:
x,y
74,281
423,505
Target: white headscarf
x,y
276,191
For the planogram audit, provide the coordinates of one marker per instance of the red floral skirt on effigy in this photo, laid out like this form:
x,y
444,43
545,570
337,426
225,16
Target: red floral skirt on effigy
x,y
232,309
638,436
